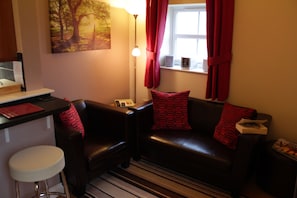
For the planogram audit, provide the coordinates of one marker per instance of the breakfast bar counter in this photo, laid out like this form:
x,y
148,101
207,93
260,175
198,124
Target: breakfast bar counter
x,y
26,130
49,104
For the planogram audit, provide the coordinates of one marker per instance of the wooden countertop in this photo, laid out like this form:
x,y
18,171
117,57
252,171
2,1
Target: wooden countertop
x,y
24,95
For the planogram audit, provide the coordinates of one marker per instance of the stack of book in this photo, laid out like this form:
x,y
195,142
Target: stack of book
x,y
286,148
247,126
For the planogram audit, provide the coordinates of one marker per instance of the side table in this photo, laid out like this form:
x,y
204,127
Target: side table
x,y
275,173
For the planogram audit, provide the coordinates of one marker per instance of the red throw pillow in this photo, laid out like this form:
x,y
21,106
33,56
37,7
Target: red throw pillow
x,y
170,110
71,119
225,131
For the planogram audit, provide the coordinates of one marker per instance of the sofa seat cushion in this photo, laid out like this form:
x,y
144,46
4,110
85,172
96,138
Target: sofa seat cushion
x,y
197,147
98,149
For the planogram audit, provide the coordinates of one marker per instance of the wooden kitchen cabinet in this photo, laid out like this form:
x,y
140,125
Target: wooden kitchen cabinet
x,y
8,47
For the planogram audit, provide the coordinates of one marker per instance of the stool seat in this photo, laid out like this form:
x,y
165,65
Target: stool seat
x,y
36,163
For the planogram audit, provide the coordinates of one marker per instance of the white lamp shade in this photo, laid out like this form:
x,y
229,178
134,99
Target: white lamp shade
x,y
136,51
117,3
135,6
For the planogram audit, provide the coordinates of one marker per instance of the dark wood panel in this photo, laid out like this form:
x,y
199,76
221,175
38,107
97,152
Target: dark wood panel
x,y
8,48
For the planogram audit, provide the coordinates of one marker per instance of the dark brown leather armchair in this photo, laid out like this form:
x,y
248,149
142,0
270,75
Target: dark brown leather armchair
x,y
105,145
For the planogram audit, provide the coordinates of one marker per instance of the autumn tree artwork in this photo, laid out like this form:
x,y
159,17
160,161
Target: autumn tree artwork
x,y
79,25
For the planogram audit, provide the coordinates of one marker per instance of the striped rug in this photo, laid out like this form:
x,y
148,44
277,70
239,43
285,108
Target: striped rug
x,y
146,180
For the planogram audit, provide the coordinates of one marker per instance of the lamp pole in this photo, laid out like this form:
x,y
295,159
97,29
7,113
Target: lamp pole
x,y
135,7
135,53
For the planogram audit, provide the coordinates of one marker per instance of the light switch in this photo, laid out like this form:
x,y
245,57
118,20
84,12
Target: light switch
x,y
48,122
6,135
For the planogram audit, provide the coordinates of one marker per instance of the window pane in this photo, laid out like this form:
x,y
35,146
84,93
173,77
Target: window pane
x,y
183,19
182,39
202,23
202,50
185,48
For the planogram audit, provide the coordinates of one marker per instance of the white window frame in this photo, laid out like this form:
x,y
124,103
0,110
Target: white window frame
x,y
171,36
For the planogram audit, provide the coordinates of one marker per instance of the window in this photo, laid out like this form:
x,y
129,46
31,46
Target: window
x,y
185,36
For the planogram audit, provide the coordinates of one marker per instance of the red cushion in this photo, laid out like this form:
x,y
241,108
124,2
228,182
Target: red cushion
x,y
170,110
225,131
71,119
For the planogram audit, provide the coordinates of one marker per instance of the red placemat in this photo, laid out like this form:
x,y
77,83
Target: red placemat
x,y
19,110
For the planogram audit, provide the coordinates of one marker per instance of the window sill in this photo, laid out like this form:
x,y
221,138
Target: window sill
x,y
185,69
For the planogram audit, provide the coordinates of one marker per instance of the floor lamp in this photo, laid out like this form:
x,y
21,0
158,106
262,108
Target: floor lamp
x,y
135,53
135,7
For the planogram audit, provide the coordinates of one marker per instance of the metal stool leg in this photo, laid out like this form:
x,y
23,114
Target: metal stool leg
x,y
37,189
17,189
47,194
64,181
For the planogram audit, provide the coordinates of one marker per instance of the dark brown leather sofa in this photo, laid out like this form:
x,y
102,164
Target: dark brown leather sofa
x,y
105,145
196,153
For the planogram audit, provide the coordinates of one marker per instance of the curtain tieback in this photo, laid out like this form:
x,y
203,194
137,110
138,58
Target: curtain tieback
x,y
151,55
219,59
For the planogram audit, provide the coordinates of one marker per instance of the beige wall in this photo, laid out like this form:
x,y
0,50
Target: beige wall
x,y
100,75
27,41
264,66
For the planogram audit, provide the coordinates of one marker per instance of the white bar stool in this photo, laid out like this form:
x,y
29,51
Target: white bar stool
x,y
37,164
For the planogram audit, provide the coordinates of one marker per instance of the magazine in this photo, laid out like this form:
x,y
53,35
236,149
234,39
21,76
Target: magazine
x,y
286,148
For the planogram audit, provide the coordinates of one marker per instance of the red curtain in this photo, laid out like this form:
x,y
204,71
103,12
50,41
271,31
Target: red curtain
x,y
219,45
156,11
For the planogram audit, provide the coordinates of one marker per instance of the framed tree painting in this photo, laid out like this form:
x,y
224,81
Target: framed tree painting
x,y
79,25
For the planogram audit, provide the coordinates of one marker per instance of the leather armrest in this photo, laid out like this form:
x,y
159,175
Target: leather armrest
x,y
144,122
107,109
109,120
264,116
140,106
144,117
247,147
248,141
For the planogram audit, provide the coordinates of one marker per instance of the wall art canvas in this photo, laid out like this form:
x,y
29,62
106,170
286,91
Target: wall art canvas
x,y
79,25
